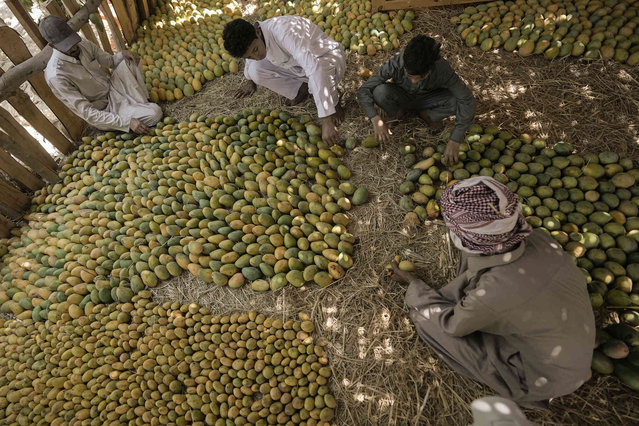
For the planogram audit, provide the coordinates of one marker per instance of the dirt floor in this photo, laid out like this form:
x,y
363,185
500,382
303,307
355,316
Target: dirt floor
x,y
383,374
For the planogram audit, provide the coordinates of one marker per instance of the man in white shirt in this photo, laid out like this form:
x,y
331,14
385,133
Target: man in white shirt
x,y
292,57
74,75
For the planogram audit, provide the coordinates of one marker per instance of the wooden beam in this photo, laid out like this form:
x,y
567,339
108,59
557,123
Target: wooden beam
x,y
17,171
5,226
27,22
86,29
143,7
134,15
29,150
27,109
122,13
116,32
11,197
20,73
54,8
104,37
13,46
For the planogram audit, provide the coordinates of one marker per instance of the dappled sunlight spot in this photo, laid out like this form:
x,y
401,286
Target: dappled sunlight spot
x,y
480,292
522,271
502,408
507,257
482,406
347,383
382,351
361,342
332,323
385,316
556,351
541,381
587,328
386,403
330,310
564,314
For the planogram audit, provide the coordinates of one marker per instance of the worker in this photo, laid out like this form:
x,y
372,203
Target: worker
x,y
119,102
294,58
517,317
417,81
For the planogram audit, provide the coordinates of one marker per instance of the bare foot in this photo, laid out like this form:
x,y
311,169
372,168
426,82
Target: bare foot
x,y
302,94
435,125
339,113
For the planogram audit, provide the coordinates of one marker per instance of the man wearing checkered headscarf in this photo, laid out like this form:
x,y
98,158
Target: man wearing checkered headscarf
x,y
517,317
483,216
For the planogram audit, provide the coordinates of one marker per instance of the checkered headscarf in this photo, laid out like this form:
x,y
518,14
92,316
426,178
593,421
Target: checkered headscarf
x,y
483,216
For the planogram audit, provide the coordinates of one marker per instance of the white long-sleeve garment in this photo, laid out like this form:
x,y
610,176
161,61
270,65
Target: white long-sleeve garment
x,y
103,102
298,51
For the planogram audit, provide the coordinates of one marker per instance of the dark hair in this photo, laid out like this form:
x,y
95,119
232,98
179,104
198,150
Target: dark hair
x,y
238,36
420,55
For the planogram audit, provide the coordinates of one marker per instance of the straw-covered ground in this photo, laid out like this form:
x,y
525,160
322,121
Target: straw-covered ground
x,y
383,373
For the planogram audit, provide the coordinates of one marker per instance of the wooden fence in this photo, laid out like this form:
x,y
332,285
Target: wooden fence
x,y
25,165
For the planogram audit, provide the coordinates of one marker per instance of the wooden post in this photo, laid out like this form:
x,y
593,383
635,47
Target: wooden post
x,y
5,226
53,7
21,102
13,46
29,150
18,172
11,197
115,29
27,22
134,16
86,29
104,38
143,7
125,21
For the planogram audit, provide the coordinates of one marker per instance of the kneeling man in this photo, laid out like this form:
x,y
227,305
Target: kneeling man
x,y
292,57
119,102
517,317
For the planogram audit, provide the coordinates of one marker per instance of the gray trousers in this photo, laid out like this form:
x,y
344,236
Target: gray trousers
x,y
392,99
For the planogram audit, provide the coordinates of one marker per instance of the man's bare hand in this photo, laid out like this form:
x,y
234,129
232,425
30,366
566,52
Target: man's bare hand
x,y
451,154
131,56
401,276
382,134
246,89
138,127
329,130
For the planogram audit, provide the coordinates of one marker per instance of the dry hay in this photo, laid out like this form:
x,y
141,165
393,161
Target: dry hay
x,y
383,373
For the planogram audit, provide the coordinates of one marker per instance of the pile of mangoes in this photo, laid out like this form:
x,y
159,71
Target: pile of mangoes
x,y
617,351
255,198
582,28
181,46
146,363
351,23
589,203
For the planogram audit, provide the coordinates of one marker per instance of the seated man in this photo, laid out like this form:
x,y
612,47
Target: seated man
x,y
418,81
291,56
517,317
74,76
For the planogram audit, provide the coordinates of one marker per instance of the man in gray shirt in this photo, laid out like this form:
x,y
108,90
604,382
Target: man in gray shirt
x,y
418,81
517,317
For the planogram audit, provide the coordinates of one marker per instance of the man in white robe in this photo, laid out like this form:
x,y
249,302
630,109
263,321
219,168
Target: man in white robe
x,y
74,75
292,57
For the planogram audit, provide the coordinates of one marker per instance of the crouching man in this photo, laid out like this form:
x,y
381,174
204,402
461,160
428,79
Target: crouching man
x,y
119,102
294,58
517,317
419,82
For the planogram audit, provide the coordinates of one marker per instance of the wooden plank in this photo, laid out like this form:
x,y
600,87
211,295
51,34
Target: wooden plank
x,y
28,150
143,7
12,197
27,109
18,172
116,32
5,226
134,15
122,13
73,7
13,46
27,22
378,5
54,8
104,37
